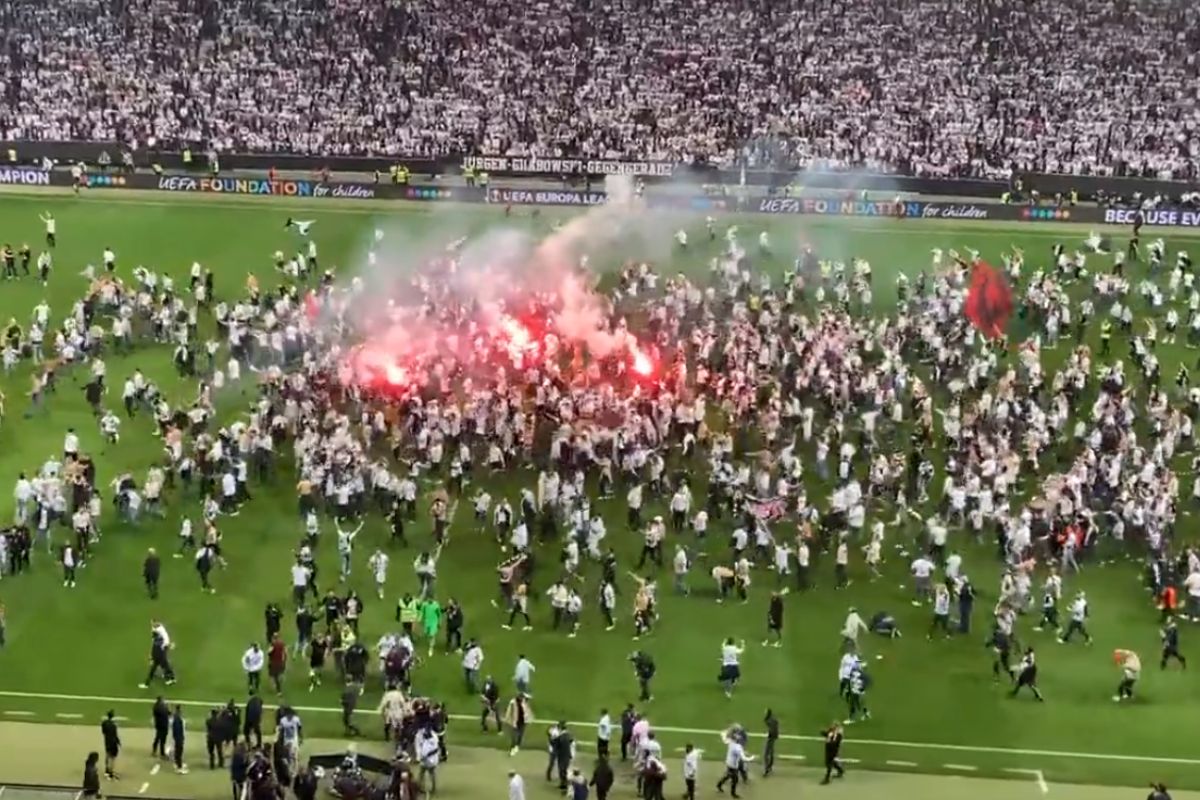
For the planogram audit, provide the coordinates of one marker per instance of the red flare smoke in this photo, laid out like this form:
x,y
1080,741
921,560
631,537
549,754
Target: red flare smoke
x,y
989,300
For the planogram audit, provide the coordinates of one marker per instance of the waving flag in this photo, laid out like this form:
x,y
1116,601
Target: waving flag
x,y
768,509
989,300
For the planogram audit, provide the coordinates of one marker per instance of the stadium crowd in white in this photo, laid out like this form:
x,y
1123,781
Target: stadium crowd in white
x,y
916,86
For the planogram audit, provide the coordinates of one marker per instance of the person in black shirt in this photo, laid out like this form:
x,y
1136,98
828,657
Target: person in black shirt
x,y
304,628
1158,791
560,754
91,776
177,736
253,721
1027,675
644,668
10,262
772,723
628,719
439,718
833,745
333,608
274,620
26,255
231,722
602,778
490,697
151,568
355,661
966,602
305,785
239,766
214,740
112,744
775,619
1170,644
317,649
654,775
397,520
349,703
162,724
454,625
93,391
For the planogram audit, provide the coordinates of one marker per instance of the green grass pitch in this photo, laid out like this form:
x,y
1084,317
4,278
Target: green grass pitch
x,y
936,709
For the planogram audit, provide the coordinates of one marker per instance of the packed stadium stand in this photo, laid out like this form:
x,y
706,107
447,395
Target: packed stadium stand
x,y
925,87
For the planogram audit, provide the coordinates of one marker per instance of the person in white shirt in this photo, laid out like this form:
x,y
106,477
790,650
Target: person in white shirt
x,y
345,547
69,564
229,494
1079,615
301,578
23,494
735,760
252,663
922,571
378,562
523,675
846,667
941,611
51,228
731,669
953,566
70,445
680,566
851,628
841,563
603,734
691,770
428,749
516,786
472,660
110,427
1192,585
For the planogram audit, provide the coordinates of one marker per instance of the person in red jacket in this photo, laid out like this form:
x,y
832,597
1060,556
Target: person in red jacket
x,y
1168,602
277,662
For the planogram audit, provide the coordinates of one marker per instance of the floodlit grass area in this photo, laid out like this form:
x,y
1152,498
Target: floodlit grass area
x,y
936,709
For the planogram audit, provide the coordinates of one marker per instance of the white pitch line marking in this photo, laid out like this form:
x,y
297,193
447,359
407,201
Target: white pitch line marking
x,y
19,713
142,789
959,748
850,760
900,763
786,757
960,767
154,770
69,716
1037,775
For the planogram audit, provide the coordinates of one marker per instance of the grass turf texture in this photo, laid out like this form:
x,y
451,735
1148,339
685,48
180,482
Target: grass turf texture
x,y
934,702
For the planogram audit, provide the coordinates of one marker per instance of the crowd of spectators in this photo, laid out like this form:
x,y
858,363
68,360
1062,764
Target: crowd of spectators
x,y
914,86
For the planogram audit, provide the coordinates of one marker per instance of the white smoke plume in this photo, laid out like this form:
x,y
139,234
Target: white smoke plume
x,y
487,267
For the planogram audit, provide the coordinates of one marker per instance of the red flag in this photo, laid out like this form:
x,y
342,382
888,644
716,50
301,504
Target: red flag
x,y
989,300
